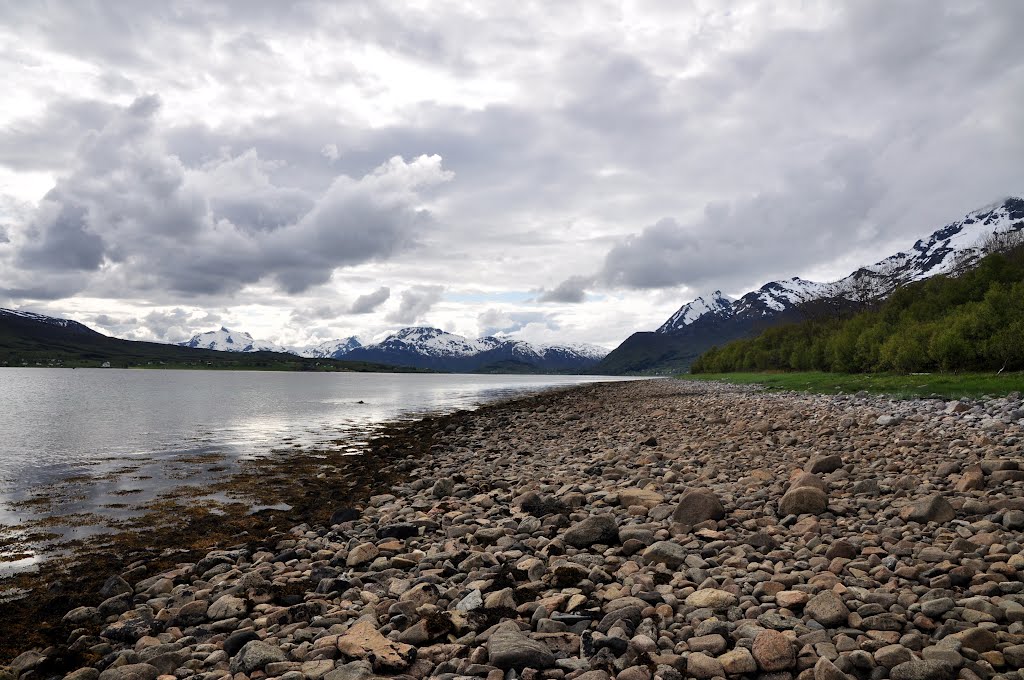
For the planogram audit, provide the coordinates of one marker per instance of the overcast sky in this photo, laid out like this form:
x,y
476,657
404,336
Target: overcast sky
x,y
556,170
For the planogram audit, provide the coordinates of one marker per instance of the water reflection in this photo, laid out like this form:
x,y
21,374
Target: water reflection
x,y
75,444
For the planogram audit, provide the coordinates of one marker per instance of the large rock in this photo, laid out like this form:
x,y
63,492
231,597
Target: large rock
x,y
821,464
933,508
362,554
711,598
808,479
828,609
666,552
254,656
191,613
804,500
920,669
26,661
115,585
354,670
698,505
593,530
131,671
644,497
1014,655
237,640
738,661
508,648
363,641
226,607
826,670
702,666
86,673
82,616
978,639
773,651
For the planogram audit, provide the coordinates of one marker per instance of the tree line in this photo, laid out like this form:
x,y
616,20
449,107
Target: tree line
x,y
972,321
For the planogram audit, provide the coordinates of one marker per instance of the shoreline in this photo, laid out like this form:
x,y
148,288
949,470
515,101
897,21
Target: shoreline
x,y
634,529
157,543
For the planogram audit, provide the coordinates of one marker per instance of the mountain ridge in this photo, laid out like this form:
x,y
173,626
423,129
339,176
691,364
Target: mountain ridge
x,y
713,320
426,347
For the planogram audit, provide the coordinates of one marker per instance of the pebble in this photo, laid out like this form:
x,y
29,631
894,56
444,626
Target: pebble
x,y
650,530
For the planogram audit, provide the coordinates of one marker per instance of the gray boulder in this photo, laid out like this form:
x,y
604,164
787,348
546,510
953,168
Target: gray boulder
x,y
508,648
804,500
933,508
593,530
828,609
698,505
254,656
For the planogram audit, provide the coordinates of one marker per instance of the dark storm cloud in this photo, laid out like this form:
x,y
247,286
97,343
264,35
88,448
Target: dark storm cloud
x,y
365,304
572,290
129,205
416,302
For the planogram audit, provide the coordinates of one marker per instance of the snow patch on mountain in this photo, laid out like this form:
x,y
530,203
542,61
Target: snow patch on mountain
x,y
42,318
329,349
716,303
583,349
435,342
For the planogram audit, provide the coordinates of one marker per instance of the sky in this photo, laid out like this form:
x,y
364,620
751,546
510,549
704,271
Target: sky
x,y
570,171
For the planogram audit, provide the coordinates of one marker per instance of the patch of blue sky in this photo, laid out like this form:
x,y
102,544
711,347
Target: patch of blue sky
x,y
503,296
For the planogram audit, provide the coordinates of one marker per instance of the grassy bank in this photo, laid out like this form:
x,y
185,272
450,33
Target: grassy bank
x,y
947,385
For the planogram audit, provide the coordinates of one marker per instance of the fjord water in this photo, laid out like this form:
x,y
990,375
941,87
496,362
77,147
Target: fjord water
x,y
91,439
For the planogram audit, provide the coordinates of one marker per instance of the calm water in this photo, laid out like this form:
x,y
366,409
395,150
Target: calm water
x,y
97,437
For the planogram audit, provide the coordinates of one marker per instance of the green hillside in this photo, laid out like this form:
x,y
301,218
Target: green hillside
x,y
970,322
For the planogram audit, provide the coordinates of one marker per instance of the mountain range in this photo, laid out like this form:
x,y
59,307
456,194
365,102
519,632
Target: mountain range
x,y
425,347
716,319
29,339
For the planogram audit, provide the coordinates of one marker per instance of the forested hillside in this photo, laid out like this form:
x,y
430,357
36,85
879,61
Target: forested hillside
x,y
970,322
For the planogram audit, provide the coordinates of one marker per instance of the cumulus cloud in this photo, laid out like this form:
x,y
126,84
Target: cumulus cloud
x,y
129,205
175,325
415,303
572,290
365,304
503,322
816,213
330,152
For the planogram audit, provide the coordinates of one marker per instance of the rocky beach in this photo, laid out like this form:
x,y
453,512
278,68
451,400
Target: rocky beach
x,y
636,530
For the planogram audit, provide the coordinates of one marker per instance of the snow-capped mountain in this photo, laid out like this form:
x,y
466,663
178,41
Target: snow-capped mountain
x,y
716,303
225,340
582,349
434,342
329,349
68,324
433,348
956,245
715,320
